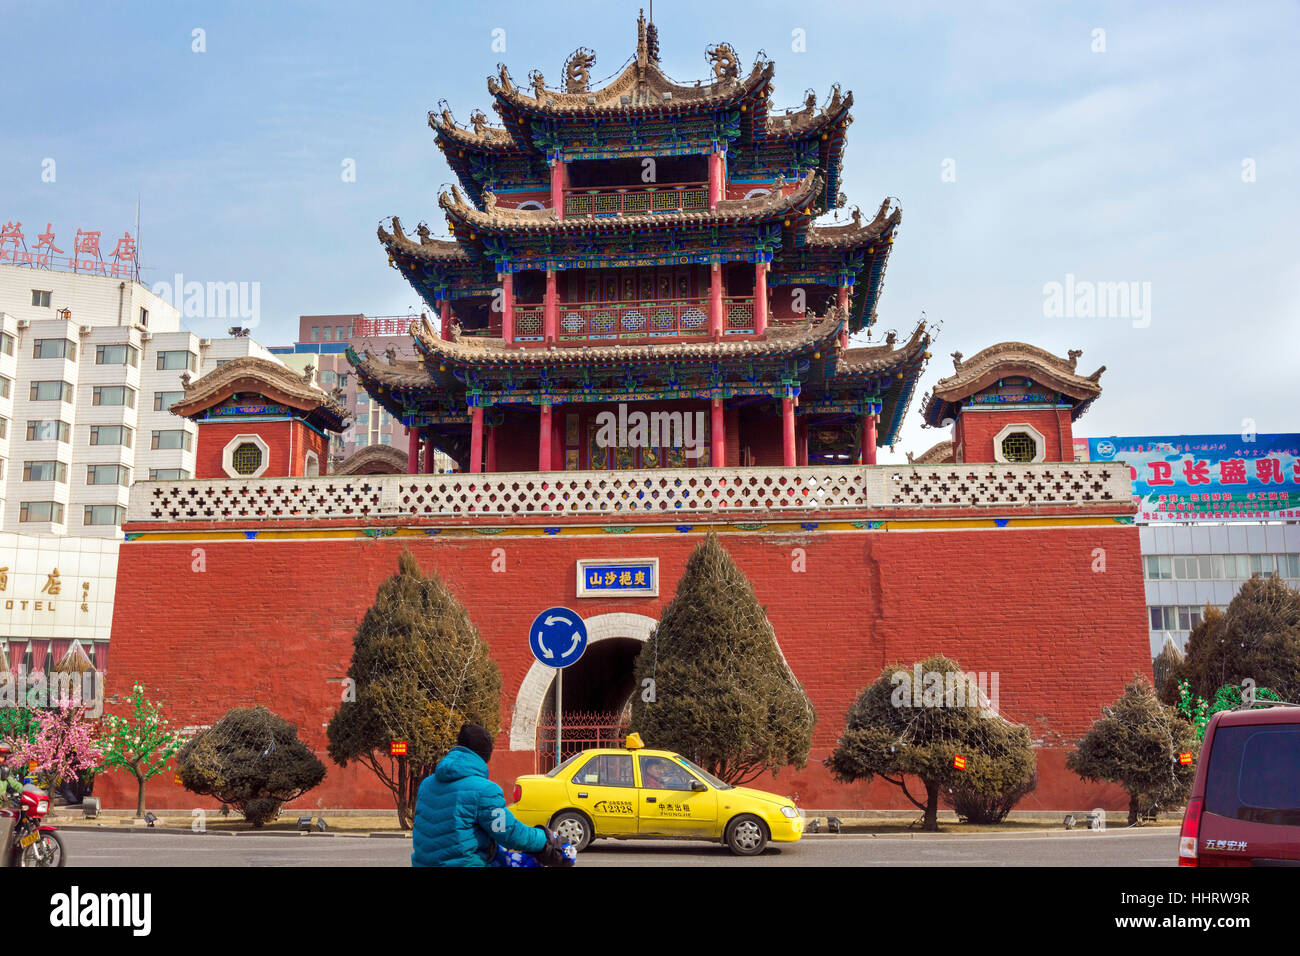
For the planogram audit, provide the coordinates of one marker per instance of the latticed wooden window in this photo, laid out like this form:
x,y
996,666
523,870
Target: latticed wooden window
x,y
246,459
1019,446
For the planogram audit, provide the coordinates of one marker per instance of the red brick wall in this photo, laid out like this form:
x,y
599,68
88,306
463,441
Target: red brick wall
x,y
279,436
272,621
976,430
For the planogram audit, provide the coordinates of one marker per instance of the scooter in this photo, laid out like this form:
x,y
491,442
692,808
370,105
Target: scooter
x,y
555,854
26,841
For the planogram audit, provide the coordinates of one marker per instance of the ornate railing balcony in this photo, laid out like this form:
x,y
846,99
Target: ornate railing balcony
x,y
639,319
644,495
635,200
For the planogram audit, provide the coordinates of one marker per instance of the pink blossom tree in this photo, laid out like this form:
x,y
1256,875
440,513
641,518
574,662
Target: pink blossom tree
x,y
64,744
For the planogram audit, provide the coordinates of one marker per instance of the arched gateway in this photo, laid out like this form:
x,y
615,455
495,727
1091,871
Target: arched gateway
x,y
532,697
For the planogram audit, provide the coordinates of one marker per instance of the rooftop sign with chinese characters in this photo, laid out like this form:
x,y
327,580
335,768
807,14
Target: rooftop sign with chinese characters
x,y
85,255
631,577
57,587
1209,477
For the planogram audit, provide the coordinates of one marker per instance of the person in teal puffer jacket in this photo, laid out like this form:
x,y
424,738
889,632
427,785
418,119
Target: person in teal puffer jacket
x,y
460,815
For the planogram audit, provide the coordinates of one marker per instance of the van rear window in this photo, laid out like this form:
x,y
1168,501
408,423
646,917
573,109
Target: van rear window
x,y
1254,774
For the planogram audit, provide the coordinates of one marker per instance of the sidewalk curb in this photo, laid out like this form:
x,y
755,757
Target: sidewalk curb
x,y
991,835
180,831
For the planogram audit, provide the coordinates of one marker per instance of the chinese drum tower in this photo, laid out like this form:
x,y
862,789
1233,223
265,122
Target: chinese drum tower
x,y
641,330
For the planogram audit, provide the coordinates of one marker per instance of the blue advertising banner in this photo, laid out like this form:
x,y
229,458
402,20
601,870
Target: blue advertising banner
x,y
1209,477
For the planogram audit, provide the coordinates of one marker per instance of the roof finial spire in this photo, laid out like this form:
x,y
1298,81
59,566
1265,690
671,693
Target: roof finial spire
x,y
647,39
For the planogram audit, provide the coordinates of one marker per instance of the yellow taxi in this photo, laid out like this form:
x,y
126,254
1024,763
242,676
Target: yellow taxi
x,y
633,793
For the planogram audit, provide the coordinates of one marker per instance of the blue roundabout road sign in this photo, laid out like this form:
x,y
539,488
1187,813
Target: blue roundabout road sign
x,y
558,637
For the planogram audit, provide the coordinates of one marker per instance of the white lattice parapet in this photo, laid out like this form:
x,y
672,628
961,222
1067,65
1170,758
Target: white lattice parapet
x,y
667,493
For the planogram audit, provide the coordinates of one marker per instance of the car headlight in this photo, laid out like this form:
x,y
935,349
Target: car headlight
x,y
790,812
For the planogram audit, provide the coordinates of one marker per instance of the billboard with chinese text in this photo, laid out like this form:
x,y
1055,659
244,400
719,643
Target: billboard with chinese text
x,y
1209,477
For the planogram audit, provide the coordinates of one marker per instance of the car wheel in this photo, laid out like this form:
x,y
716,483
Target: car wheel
x,y
746,835
573,827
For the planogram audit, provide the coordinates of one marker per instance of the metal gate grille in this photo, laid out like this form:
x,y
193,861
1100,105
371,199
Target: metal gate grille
x,y
580,730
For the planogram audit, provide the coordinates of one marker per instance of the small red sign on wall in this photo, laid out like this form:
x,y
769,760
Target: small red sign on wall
x,y
1185,758
959,761
397,748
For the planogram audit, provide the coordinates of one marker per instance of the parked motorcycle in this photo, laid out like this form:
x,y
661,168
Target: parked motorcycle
x,y
24,839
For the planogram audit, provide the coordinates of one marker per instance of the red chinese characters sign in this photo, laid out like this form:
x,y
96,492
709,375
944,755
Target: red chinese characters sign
x,y
85,255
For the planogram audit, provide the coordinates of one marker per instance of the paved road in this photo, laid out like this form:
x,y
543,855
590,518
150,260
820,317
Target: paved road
x,y
1112,848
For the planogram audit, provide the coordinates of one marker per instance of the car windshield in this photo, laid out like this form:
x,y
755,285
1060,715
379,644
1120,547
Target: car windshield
x,y
714,781
560,767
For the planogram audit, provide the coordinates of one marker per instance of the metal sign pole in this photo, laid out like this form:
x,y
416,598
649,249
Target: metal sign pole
x,y
559,696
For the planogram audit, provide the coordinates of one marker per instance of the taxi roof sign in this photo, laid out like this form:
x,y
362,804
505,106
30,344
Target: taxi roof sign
x,y
633,742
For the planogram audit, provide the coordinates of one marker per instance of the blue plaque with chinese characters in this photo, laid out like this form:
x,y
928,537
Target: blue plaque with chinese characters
x,y
626,577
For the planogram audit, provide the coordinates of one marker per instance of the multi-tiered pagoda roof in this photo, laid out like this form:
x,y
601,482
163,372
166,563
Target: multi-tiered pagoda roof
x,y
648,241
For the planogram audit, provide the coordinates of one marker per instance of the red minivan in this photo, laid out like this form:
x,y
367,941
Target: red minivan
x,y
1245,803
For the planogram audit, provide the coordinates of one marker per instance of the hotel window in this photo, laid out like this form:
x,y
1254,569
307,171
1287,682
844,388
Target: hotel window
x,y
162,401
5,384
338,333
6,343
45,471
315,333
54,348
325,334
4,428
168,474
171,438
110,435
107,475
104,514
117,355
144,317
41,298
1288,565
51,391
41,511
113,395
175,360
1158,567
48,430
1263,564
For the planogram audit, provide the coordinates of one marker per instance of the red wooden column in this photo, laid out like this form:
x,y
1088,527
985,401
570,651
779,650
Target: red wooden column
x,y
717,435
842,300
760,298
413,451
715,303
868,439
551,308
801,442
544,440
787,431
428,456
717,172
444,312
508,307
492,449
557,187
475,440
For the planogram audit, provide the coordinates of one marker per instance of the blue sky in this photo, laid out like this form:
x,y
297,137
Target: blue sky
x,y
1123,165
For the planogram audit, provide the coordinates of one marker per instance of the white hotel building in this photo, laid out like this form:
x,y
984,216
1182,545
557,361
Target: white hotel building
x,y
89,366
